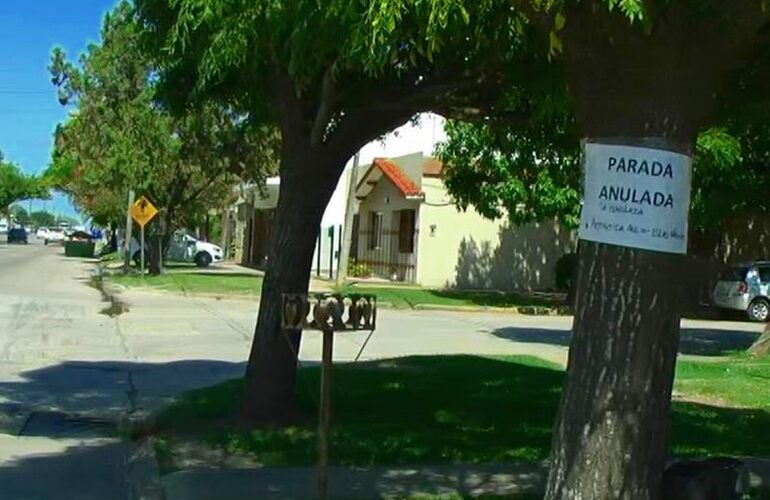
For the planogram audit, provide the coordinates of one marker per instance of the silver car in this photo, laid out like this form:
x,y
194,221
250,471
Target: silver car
x,y
745,288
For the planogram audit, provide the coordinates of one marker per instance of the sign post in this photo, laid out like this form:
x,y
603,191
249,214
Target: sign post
x,y
326,313
143,211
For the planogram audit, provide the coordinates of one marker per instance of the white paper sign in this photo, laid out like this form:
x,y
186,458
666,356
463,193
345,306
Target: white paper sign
x,y
636,197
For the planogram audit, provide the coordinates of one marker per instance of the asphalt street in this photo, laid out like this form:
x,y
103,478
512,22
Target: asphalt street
x,y
72,362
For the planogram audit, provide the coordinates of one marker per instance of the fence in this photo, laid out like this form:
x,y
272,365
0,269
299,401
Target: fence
x,y
382,254
327,252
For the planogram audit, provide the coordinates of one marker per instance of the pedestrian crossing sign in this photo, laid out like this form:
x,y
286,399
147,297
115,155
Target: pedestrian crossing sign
x,y
142,211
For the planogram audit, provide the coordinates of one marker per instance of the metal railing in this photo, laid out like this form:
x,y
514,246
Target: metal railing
x,y
383,256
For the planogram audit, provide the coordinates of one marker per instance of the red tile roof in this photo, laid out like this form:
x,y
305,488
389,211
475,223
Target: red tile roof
x,y
432,167
397,176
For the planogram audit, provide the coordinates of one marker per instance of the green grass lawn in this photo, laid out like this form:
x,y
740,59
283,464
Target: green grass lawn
x,y
196,282
110,257
738,380
408,297
439,409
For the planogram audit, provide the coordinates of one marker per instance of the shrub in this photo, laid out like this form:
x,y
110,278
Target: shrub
x,y
565,270
358,270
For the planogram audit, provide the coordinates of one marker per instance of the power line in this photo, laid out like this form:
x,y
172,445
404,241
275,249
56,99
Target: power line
x,y
24,92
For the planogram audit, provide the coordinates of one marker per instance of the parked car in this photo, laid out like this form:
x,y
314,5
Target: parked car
x,y
3,227
17,235
55,235
745,288
42,233
184,247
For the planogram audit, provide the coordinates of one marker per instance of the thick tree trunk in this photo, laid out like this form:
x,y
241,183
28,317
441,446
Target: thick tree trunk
x,y
761,346
154,256
611,436
157,243
642,89
307,183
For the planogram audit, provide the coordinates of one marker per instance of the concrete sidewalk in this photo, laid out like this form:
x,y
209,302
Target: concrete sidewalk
x,y
299,483
464,480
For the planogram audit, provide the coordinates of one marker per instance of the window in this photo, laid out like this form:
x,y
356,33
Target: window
x,y
734,274
764,274
375,230
406,231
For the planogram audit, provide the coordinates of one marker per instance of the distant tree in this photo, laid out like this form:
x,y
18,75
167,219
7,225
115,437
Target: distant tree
x,y
42,218
120,139
16,186
20,215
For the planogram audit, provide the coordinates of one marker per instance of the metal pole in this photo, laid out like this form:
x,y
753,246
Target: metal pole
x,y
318,257
127,236
325,415
331,252
342,263
142,251
161,229
339,248
226,233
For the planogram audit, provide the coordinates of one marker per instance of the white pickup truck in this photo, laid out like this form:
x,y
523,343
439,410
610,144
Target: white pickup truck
x,y
184,247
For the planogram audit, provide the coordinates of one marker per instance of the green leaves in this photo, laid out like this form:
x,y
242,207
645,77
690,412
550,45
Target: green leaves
x,y
16,186
122,138
525,172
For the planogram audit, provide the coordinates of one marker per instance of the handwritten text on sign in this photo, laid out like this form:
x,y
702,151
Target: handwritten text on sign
x,y
636,197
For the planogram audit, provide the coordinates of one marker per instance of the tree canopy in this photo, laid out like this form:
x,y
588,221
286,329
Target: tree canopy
x,y
16,186
531,172
331,81
119,138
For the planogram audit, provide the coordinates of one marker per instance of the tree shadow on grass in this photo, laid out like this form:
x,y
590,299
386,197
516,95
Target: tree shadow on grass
x,y
414,410
694,341
443,409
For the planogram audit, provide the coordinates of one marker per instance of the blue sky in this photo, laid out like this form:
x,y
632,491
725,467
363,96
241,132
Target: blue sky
x,y
29,110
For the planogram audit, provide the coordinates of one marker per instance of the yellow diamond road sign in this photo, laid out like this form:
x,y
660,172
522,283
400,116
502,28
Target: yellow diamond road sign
x,y
142,211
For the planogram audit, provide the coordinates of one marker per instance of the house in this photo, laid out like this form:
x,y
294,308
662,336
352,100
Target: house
x,y
252,214
408,229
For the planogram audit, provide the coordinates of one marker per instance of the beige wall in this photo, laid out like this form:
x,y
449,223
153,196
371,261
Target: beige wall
x,y
465,250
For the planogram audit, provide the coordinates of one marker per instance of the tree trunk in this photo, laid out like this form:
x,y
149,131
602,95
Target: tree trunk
x,y
307,183
157,243
652,90
610,439
761,346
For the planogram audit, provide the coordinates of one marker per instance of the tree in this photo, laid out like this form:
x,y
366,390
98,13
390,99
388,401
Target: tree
x,y
525,171
530,171
16,186
640,73
42,218
19,214
307,68
121,139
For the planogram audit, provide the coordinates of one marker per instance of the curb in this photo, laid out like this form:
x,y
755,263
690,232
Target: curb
x,y
523,310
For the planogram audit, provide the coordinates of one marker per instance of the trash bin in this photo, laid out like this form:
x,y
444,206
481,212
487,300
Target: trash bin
x,y
79,249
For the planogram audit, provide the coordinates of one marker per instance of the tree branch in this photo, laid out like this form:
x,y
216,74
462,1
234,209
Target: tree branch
x,y
326,107
386,107
290,107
